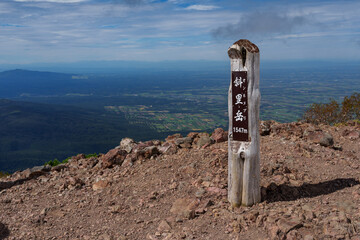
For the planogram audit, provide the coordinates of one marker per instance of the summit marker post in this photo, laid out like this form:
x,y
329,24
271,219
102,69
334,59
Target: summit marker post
x,y
244,137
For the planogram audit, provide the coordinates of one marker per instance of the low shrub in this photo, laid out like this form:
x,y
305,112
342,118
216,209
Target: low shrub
x,y
56,162
3,174
91,155
334,113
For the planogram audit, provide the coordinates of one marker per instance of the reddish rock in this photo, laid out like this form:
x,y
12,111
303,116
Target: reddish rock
x,y
101,184
164,226
323,138
354,134
219,135
286,225
217,191
185,207
36,171
168,148
114,156
78,157
203,140
192,135
147,152
184,142
173,137
74,182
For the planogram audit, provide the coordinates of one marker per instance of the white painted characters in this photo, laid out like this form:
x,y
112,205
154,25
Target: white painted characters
x,y
239,130
239,81
239,98
239,116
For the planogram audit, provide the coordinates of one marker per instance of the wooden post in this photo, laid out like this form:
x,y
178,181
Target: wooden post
x,y
244,138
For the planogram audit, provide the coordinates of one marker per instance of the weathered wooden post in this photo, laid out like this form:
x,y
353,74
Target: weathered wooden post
x,y
244,138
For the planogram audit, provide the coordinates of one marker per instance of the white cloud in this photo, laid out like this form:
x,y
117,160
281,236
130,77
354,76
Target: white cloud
x,y
202,7
52,1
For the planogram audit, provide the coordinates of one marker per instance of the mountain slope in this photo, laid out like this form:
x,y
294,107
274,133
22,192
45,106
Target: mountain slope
x,y
33,133
309,191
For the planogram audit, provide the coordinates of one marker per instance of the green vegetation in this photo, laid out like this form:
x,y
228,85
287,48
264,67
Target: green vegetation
x,y
334,113
56,162
3,174
92,155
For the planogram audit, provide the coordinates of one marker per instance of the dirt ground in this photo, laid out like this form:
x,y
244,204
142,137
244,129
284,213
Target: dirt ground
x,y
310,190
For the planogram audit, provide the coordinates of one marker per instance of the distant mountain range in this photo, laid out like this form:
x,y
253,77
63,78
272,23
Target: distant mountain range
x,y
19,82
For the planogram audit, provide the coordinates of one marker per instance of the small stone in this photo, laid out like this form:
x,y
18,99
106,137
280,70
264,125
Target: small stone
x,y
101,184
115,209
286,225
185,207
200,192
164,226
265,128
217,191
59,167
354,135
308,237
173,186
106,237
337,147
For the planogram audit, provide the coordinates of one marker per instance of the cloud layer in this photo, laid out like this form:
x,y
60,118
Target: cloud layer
x,y
74,30
260,24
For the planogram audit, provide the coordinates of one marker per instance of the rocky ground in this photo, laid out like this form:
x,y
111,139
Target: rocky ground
x,y
177,189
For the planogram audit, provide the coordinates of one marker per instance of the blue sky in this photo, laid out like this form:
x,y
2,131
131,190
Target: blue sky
x,y
155,30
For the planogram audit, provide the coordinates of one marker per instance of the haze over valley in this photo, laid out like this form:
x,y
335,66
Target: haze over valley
x,y
47,115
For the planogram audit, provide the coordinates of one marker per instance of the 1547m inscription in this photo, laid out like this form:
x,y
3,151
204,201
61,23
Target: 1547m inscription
x,y
240,126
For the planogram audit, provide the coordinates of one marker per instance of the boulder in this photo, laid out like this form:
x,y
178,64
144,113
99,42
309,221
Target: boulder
x,y
75,182
36,171
323,138
151,151
219,135
59,167
78,157
265,128
168,148
171,138
204,140
184,142
164,226
114,156
127,144
192,135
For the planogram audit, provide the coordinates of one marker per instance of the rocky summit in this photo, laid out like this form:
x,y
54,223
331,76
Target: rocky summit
x,y
177,189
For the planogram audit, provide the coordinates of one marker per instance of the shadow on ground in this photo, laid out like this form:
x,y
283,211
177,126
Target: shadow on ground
x,y
6,185
4,231
284,192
